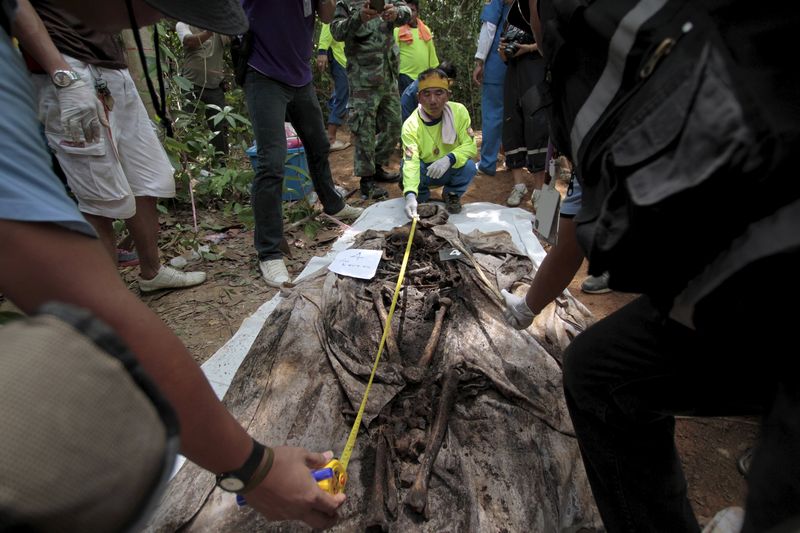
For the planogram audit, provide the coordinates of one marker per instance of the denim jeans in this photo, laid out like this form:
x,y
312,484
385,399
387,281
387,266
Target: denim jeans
x,y
455,180
341,92
628,375
403,81
270,102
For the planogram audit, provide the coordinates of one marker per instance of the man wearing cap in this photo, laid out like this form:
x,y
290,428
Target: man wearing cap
x,y
372,68
438,146
48,252
278,86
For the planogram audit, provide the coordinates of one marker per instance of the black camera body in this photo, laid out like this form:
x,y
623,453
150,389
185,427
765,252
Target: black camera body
x,y
514,37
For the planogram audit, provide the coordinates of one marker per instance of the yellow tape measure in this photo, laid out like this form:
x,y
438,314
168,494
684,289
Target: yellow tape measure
x,y
333,477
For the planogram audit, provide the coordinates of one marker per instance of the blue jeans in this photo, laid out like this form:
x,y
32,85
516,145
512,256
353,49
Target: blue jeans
x,y
270,102
341,92
403,81
455,180
492,124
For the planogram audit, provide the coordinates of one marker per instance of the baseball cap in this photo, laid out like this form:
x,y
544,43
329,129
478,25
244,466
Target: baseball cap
x,y
87,443
221,16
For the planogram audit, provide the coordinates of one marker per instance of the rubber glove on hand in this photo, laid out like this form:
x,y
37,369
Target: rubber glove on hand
x,y
411,205
517,313
82,112
437,169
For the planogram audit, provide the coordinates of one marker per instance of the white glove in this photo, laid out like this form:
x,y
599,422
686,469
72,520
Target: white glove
x,y
437,169
411,205
82,112
517,313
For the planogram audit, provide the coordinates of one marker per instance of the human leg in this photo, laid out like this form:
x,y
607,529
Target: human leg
x,y
306,117
363,105
341,94
403,81
267,101
215,96
624,379
492,124
388,117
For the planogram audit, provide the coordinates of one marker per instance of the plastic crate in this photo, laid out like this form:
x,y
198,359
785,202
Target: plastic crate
x,y
296,181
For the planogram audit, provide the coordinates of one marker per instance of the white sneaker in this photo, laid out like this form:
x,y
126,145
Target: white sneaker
x,y
274,272
169,278
515,198
728,520
339,145
349,213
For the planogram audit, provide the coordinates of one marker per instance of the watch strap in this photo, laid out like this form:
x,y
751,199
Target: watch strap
x,y
263,469
246,472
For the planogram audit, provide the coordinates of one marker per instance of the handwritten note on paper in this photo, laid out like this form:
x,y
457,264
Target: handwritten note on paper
x,y
356,263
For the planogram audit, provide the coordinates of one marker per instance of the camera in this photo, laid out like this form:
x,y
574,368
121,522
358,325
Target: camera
x,y
514,37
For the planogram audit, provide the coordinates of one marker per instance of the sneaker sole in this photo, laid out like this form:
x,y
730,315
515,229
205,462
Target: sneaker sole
x,y
596,291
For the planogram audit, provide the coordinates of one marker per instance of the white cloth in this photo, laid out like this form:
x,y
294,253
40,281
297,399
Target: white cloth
x,y
128,161
449,134
485,40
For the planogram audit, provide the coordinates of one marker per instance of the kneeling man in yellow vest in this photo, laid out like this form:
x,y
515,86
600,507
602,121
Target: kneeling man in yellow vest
x,y
438,146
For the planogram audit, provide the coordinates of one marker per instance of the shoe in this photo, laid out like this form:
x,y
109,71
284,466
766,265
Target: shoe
x,y
348,213
370,191
517,193
596,284
728,520
386,177
484,171
339,145
274,272
452,202
127,258
169,278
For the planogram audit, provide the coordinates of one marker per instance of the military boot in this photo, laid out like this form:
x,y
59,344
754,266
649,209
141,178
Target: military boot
x,y
386,177
370,191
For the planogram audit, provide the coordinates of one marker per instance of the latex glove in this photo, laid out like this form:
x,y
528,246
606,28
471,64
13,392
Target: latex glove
x,y
82,112
517,313
437,169
411,205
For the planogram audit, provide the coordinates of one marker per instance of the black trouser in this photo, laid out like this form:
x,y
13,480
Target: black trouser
x,y
214,96
525,129
270,102
625,378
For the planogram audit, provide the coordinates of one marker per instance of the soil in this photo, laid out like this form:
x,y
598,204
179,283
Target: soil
x,y
205,317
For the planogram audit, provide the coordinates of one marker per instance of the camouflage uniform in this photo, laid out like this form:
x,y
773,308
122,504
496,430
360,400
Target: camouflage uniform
x,y
372,69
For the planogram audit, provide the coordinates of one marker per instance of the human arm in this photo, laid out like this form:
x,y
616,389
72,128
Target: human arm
x,y
210,436
325,41
411,156
81,110
466,148
485,40
189,40
552,277
347,20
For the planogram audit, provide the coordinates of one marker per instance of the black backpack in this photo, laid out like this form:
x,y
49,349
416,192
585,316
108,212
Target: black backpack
x,y
681,117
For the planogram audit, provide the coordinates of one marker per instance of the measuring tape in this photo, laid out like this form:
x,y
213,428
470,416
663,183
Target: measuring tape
x,y
333,476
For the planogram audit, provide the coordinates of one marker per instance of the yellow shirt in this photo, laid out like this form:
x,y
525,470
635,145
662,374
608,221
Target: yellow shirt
x,y
326,41
417,56
420,143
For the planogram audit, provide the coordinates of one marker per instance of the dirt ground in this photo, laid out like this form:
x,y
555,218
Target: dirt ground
x,y
205,317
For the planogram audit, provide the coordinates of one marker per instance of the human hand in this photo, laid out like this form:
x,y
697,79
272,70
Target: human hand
x,y
389,13
289,492
322,62
411,205
477,73
437,169
82,112
517,313
367,13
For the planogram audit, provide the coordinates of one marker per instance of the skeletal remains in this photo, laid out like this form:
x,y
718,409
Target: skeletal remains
x,y
465,427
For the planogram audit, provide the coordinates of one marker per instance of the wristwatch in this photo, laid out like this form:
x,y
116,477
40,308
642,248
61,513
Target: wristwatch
x,y
236,480
64,78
